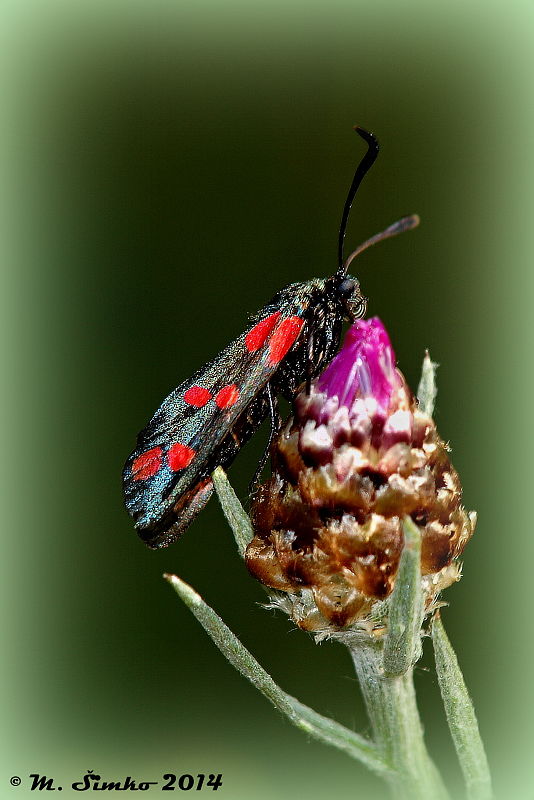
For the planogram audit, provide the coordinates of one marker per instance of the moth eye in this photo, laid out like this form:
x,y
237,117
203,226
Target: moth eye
x,y
359,307
347,287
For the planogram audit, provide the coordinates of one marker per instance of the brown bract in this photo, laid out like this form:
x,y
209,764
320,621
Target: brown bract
x,y
330,518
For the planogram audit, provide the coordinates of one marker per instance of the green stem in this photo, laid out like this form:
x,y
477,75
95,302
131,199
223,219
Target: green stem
x,y
397,730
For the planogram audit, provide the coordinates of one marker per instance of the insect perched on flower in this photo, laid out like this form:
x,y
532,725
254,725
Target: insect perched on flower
x,y
358,456
205,421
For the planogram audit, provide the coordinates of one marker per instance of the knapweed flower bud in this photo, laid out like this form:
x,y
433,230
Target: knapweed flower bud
x,y
356,458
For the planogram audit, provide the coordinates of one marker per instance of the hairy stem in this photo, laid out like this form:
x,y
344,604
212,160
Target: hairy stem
x,y
397,730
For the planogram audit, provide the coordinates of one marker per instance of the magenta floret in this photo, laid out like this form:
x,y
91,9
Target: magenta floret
x,y
364,367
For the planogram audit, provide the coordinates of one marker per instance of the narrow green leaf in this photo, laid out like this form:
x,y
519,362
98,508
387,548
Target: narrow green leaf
x,y
402,647
427,389
461,716
322,728
233,510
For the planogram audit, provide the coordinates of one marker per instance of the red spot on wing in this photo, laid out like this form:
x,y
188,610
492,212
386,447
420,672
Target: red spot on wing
x,y
180,456
259,334
197,396
283,338
147,464
227,396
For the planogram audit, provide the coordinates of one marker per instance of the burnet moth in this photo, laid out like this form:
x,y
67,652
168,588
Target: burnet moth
x,y
205,421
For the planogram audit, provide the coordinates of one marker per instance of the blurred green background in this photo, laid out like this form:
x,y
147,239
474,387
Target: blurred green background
x,y
166,168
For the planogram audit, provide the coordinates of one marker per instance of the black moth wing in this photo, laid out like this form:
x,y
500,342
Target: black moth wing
x,y
204,421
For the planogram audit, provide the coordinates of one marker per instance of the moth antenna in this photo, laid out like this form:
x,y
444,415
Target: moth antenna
x,y
404,224
361,170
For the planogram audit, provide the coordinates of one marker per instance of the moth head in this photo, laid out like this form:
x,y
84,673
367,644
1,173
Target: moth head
x,y
352,300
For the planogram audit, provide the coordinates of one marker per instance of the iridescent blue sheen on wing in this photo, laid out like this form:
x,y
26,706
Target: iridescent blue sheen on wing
x,y
208,417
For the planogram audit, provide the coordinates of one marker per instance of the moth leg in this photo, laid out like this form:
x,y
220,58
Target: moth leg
x,y
351,316
276,424
309,359
274,414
